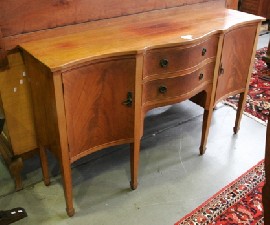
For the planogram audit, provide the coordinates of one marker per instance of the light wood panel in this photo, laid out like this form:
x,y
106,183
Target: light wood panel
x,y
18,137
17,106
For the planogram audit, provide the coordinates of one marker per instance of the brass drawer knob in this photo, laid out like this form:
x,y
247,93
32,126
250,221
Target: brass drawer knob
x,y
162,89
204,50
201,76
164,63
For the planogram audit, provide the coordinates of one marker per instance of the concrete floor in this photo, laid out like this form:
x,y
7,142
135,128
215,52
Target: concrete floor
x,y
173,178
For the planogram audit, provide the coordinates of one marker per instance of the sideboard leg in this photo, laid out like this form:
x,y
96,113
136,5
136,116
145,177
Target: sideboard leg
x,y
207,116
67,183
240,109
44,165
13,163
15,168
134,164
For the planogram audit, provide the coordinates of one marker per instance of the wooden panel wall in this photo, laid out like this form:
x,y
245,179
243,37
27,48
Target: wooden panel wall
x,y
256,7
232,4
22,16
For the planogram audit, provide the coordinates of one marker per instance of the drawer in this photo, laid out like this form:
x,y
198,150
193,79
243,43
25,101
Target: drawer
x,y
168,88
164,60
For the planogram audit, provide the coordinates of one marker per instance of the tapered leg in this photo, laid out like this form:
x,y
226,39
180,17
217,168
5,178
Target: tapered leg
x,y
44,165
240,109
14,163
134,163
67,182
15,168
207,116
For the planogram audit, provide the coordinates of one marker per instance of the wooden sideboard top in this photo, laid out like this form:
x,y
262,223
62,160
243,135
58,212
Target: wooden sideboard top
x,y
135,33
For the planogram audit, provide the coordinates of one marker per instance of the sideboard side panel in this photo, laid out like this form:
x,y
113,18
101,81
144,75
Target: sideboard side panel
x,y
44,105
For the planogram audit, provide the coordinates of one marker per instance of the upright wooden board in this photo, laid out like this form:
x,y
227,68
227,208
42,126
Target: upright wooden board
x,y
17,106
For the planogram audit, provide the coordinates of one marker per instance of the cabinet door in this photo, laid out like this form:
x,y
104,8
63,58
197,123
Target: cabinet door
x,y
235,61
95,113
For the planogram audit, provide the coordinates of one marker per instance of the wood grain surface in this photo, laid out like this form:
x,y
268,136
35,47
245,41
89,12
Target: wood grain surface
x,y
94,96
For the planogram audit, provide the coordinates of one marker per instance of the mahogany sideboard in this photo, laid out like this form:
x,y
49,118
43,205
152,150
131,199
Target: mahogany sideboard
x,y
93,79
26,20
91,89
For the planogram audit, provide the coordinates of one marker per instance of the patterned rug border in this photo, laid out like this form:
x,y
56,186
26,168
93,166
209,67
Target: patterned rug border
x,y
245,113
234,182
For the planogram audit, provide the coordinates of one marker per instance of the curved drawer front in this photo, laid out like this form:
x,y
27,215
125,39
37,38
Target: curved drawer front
x,y
164,60
169,88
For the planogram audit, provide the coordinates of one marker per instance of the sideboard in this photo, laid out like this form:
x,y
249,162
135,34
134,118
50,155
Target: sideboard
x,y
94,73
91,89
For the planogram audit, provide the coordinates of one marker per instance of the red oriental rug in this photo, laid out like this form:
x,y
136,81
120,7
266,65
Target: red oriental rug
x,y
238,203
258,98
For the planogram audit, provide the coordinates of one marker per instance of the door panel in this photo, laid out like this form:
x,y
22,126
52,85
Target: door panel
x,y
235,61
94,96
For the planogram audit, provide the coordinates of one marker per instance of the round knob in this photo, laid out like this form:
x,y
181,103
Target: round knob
x,y
162,89
164,62
204,50
201,76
